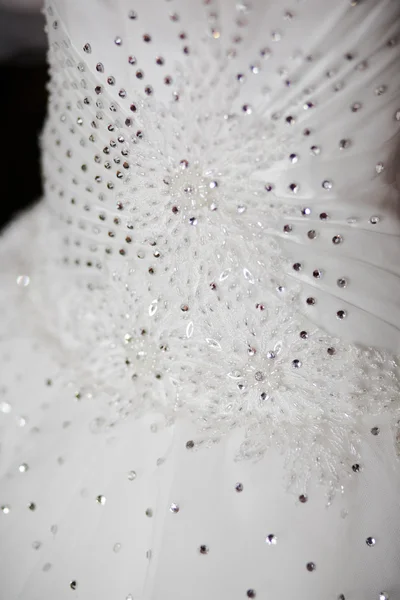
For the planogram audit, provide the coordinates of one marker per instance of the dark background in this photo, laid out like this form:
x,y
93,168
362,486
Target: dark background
x,y
23,77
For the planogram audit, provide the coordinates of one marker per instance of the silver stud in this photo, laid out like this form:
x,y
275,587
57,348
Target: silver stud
x,y
374,220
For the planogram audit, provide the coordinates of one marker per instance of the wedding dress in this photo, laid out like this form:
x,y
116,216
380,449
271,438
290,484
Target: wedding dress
x,y
200,321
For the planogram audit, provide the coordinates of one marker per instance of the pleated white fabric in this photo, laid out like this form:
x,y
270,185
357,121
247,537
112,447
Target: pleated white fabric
x,y
200,321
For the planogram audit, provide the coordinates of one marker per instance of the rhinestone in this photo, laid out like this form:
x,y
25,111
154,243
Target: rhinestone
x,y
303,498
312,234
190,444
255,68
265,53
356,468
381,89
118,41
341,282
337,239
132,60
315,150
311,566
132,475
287,228
306,211
327,185
247,109
379,167
184,164
297,266
293,187
375,431
241,209
306,132
87,48
268,187
344,144
241,78
397,115
310,301
324,216
308,105
203,549
193,221
149,512
296,363
101,499
5,509
374,220
213,184
32,506
23,468
259,376
341,314
293,158
271,354
356,106
23,280
370,541
290,120
303,335
317,274
383,596
174,508
341,597
100,67
331,351
73,585
276,36
239,487
251,593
